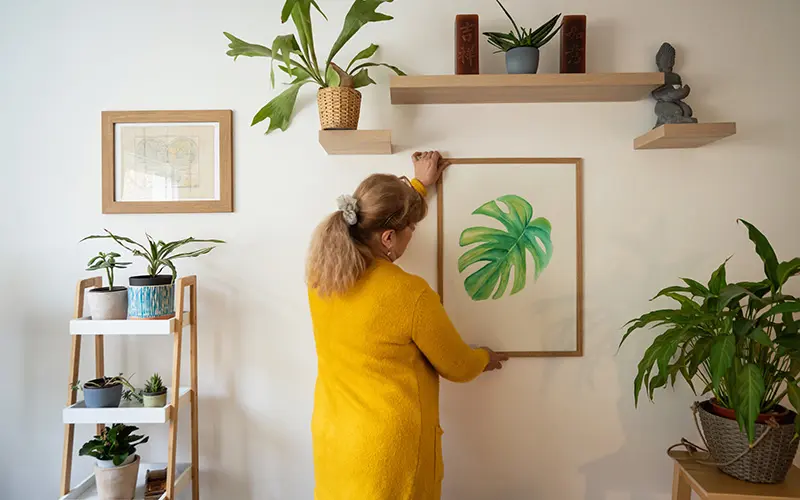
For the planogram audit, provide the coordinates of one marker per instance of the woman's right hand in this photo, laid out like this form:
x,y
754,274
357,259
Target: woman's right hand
x,y
428,166
495,360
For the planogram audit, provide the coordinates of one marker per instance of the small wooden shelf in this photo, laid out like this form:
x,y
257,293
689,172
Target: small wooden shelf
x,y
684,135
356,142
87,489
88,326
128,412
466,89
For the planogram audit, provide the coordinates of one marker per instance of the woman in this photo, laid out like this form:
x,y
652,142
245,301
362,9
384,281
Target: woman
x,y
383,339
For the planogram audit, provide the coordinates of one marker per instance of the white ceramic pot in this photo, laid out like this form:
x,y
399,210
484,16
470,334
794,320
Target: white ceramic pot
x,y
117,483
105,303
109,464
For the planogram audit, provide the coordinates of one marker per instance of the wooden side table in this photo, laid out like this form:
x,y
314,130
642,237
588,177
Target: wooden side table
x,y
709,483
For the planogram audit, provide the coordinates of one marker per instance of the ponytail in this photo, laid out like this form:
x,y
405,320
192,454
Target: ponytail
x,y
340,253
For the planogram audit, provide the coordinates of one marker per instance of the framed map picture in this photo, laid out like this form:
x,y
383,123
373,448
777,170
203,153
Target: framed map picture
x,y
510,258
167,161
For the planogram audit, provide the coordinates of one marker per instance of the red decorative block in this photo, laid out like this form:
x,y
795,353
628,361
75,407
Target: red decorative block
x,y
573,44
467,38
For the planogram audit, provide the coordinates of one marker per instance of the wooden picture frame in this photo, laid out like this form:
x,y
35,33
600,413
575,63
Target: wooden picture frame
x,y
577,163
213,125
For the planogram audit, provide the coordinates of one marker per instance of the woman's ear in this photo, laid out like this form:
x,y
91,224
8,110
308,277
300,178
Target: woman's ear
x,y
387,238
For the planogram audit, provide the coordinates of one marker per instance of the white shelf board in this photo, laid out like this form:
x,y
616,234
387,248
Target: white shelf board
x,y
87,490
129,412
88,326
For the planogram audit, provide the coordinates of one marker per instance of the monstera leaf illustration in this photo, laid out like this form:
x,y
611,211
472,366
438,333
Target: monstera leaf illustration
x,y
504,250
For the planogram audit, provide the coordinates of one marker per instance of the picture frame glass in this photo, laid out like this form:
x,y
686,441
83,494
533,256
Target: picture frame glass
x,y
510,271
162,162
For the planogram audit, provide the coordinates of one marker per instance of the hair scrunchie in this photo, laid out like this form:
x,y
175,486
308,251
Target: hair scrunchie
x,y
349,207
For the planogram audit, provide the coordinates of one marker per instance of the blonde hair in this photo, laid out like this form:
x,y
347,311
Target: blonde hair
x,y
340,253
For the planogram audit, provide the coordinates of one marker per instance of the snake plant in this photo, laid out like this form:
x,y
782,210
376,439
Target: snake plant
x,y
296,56
740,340
504,250
522,37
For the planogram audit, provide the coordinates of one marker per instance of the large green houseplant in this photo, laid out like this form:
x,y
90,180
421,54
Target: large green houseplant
x,y
297,57
117,464
740,341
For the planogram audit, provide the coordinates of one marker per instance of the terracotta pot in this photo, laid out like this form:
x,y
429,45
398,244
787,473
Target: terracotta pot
x,y
781,414
118,483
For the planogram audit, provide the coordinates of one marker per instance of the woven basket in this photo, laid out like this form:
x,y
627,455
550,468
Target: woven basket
x,y
339,108
767,462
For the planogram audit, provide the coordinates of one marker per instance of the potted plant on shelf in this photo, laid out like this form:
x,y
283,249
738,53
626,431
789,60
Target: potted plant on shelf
x,y
105,392
117,464
154,392
338,100
741,342
522,45
152,296
108,302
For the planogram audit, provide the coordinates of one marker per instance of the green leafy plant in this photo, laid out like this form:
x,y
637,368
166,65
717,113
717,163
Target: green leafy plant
x,y
504,250
154,384
522,37
296,56
158,254
740,340
114,443
107,261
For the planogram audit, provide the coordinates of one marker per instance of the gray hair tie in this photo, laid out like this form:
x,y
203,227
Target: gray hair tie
x,y
349,207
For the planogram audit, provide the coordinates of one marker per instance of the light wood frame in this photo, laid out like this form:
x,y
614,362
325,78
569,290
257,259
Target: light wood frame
x,y
225,202
193,472
578,164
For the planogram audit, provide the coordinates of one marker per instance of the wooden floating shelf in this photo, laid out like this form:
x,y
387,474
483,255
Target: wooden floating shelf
x,y
356,142
128,412
573,87
684,135
87,490
88,326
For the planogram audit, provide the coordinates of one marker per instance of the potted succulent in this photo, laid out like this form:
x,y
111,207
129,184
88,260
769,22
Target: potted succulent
x,y
741,342
117,464
152,296
105,392
522,45
338,100
154,392
109,302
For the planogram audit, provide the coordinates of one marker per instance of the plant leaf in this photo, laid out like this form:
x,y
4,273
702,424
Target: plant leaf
x,y
371,65
760,336
361,12
788,269
722,351
364,54
765,251
718,281
519,35
696,288
289,6
784,307
749,392
504,251
239,47
282,46
279,110
362,79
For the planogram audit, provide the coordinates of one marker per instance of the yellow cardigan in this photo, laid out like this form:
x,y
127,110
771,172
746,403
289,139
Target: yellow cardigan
x,y
381,348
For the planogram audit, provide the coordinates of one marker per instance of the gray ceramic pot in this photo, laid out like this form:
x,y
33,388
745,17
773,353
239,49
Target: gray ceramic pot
x,y
102,397
522,60
105,303
155,399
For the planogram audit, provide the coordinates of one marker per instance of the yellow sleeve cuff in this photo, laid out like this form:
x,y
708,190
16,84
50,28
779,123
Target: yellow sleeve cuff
x,y
419,187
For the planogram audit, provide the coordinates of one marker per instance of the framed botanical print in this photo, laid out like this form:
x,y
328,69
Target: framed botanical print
x,y
167,161
510,253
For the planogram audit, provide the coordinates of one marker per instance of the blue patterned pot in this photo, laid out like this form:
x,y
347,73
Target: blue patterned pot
x,y
151,297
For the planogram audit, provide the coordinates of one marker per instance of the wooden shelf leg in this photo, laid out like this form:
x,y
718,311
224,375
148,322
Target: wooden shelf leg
x,y
680,487
172,446
194,398
69,429
99,366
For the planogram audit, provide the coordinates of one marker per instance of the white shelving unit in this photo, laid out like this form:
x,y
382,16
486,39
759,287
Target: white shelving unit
x,y
87,490
179,476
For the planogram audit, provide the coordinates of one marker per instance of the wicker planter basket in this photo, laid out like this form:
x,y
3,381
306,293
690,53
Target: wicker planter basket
x,y
767,462
339,108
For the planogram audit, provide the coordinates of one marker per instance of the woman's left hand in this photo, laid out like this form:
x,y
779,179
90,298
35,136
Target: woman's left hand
x,y
428,166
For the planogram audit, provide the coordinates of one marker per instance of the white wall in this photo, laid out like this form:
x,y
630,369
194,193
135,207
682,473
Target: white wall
x,y
554,429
